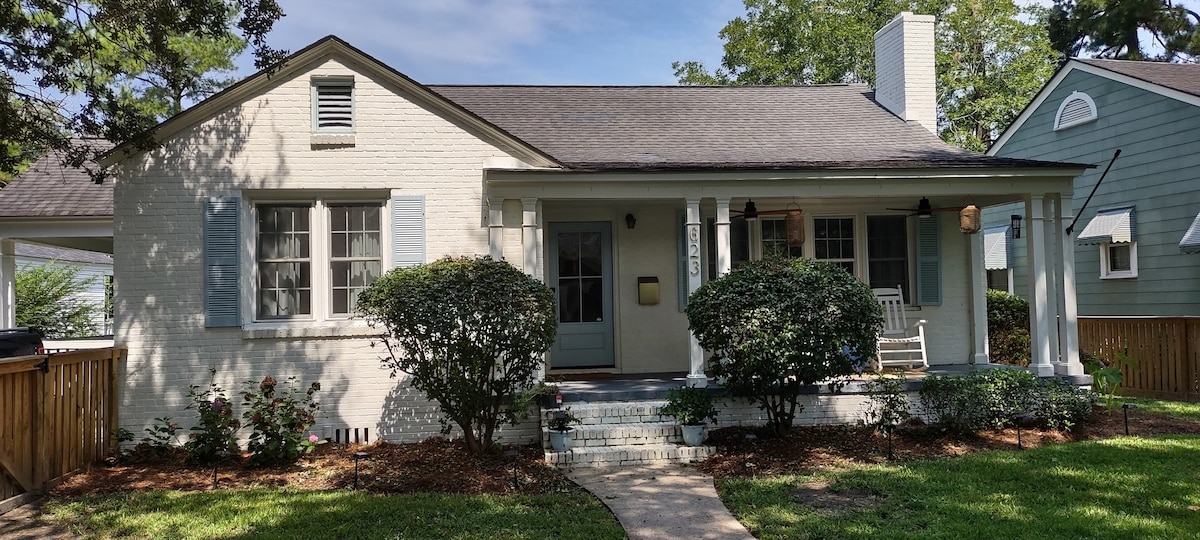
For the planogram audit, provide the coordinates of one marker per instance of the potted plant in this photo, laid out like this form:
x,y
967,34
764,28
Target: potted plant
x,y
691,407
561,430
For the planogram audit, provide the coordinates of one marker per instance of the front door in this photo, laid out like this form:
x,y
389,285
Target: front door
x,y
581,275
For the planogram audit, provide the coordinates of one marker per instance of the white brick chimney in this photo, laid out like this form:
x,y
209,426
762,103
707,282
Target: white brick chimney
x,y
905,75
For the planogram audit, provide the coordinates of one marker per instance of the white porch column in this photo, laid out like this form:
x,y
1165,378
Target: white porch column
x,y
1050,213
724,261
696,376
1068,314
530,240
496,229
979,326
1039,321
8,287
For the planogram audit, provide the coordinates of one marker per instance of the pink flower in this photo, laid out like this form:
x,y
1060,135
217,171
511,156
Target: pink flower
x,y
313,438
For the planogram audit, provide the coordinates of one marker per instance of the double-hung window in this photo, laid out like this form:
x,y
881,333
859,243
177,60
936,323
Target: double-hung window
x,y
774,240
833,240
314,258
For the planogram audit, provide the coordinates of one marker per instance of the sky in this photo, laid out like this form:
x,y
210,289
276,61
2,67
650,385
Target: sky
x,y
618,42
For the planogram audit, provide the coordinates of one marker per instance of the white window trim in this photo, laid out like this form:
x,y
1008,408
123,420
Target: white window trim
x,y
1105,273
322,322
1076,95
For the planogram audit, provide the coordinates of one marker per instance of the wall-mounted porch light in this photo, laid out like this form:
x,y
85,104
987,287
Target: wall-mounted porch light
x,y
630,221
1016,225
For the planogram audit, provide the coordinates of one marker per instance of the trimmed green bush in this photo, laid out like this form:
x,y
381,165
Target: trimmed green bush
x,y
776,325
470,332
1008,328
992,398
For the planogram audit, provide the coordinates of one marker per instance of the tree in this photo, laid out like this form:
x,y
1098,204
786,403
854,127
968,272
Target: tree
x,y
992,56
49,301
471,334
776,325
1116,28
59,64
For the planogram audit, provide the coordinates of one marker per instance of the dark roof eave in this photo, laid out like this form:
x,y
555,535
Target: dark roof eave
x,y
996,163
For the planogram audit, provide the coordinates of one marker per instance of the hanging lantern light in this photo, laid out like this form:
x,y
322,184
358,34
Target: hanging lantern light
x,y
795,227
970,219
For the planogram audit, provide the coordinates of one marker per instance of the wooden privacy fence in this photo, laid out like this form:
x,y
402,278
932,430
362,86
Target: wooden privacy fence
x,y
58,414
1165,353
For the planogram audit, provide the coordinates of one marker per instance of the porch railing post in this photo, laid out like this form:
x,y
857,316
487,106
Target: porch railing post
x,y
696,376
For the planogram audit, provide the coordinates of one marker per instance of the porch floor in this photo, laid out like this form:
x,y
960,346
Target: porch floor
x,y
654,386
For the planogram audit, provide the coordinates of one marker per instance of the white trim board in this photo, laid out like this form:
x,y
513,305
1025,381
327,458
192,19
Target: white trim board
x,y
1074,65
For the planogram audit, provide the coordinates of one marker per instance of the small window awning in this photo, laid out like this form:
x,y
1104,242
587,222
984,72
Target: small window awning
x,y
996,252
1112,226
1191,239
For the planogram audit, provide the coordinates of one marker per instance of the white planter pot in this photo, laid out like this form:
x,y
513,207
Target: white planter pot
x,y
693,435
560,441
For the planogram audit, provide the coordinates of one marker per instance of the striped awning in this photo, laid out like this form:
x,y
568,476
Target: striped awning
x,y
1191,239
1112,226
997,254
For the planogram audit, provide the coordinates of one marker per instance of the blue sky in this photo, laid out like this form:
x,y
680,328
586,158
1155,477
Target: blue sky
x,y
517,41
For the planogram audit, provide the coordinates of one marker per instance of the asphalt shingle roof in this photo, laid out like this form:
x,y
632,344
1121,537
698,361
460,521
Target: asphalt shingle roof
x,y
686,127
1182,77
48,189
35,251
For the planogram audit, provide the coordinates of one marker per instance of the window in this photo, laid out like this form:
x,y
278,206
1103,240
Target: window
x,y
333,105
774,240
1000,280
1077,109
313,259
1118,261
833,240
887,251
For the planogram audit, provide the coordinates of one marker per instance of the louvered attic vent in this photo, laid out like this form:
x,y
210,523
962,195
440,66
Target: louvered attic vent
x,y
1077,109
333,106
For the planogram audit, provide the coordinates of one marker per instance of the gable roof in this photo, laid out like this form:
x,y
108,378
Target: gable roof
x,y
1176,81
330,46
47,189
683,127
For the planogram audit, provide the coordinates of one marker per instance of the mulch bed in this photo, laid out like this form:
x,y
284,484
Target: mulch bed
x,y
435,465
750,452
438,465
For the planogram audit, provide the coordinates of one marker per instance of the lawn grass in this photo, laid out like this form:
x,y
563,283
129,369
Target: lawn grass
x,y
1179,409
1127,487
275,513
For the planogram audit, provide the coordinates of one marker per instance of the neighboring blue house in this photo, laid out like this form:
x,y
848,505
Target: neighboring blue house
x,y
1136,242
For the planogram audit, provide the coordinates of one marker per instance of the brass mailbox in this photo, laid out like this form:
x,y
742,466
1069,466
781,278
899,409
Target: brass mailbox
x,y
648,294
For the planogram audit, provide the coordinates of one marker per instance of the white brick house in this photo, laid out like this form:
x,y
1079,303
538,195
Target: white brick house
x,y
241,242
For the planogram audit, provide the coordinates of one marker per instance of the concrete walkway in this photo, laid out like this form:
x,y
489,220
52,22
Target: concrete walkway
x,y
22,523
662,501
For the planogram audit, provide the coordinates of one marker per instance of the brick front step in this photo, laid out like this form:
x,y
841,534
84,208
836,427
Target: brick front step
x,y
621,434
614,456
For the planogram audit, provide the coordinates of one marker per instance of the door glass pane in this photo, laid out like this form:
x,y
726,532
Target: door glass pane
x,y
589,254
568,300
568,254
592,299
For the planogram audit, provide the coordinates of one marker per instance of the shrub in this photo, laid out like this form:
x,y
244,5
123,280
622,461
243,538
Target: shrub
x,y
217,429
776,325
49,301
280,422
159,435
470,332
992,398
690,406
1008,328
889,402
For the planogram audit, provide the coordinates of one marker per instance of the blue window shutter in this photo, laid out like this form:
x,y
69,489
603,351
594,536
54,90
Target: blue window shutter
x,y
929,262
408,230
681,255
222,301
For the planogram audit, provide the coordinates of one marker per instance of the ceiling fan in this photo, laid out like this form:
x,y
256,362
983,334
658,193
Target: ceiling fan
x,y
924,209
751,212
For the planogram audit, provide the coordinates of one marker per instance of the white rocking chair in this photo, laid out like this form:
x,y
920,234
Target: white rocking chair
x,y
899,345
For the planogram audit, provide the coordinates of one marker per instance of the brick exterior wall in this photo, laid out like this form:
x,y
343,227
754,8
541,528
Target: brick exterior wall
x,y
265,144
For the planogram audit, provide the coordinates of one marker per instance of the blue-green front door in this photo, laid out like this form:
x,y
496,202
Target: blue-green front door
x,y
581,275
